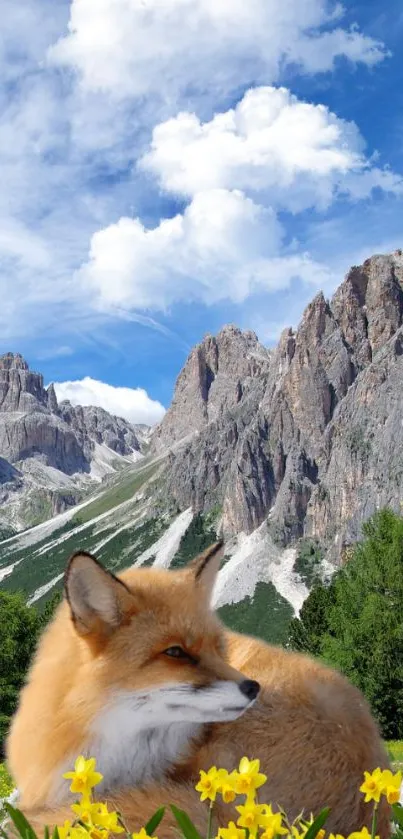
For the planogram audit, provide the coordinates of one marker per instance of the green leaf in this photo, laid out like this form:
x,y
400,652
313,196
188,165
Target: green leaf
x,y
23,826
186,825
317,825
397,811
46,832
153,823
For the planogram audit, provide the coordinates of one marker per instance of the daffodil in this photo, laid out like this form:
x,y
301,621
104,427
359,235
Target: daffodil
x,y
296,833
372,786
208,784
273,824
336,836
225,785
142,835
108,820
97,832
84,776
71,831
391,784
64,829
248,778
252,816
361,834
231,832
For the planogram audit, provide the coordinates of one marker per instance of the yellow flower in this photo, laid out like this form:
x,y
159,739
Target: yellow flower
x,y
391,785
142,835
248,778
69,831
107,820
252,816
208,784
335,836
273,824
225,785
97,815
84,776
372,786
64,830
97,833
361,834
231,832
298,834
83,811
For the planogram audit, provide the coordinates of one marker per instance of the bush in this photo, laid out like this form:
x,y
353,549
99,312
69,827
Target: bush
x,y
21,626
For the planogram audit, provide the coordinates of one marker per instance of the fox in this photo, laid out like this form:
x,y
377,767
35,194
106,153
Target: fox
x,y
138,671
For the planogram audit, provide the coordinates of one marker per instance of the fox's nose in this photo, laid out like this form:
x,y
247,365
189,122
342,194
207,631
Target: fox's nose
x,y
249,688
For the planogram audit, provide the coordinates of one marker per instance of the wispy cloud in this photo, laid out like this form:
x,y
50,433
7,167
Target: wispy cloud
x,y
88,90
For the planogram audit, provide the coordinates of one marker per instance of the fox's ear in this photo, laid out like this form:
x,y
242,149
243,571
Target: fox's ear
x,y
98,601
205,568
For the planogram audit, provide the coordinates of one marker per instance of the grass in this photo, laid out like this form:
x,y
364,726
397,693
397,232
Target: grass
x,y
395,749
6,786
124,490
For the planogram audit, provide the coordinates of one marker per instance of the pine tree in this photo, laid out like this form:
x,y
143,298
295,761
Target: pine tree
x,y
365,632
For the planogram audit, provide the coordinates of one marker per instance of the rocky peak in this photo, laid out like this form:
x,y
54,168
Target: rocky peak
x,y
95,425
369,304
52,399
215,378
21,389
12,360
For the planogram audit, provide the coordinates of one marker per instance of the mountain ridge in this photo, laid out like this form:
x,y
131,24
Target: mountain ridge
x,y
51,453
284,452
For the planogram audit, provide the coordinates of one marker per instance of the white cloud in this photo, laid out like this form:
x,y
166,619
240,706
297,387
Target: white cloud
x,y
297,154
223,247
182,48
133,404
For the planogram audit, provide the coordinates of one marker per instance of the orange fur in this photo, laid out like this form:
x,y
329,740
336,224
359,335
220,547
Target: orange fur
x,y
310,728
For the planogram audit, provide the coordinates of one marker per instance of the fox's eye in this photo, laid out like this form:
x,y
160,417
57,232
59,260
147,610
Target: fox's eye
x,y
176,652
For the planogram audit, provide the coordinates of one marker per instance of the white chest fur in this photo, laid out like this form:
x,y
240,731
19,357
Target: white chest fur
x,y
131,745
139,736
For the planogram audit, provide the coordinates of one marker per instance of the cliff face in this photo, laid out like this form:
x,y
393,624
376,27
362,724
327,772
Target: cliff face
x,y
311,434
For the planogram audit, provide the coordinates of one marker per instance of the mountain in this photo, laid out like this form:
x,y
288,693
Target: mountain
x,y
285,452
52,454
308,436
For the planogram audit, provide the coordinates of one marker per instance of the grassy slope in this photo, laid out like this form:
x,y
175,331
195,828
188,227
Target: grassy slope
x,y
122,529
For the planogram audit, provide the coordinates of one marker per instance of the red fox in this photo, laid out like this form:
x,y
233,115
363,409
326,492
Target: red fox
x,y
138,671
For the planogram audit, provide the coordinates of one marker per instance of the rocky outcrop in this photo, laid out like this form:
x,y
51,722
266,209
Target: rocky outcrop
x,y
37,435
310,435
94,425
217,376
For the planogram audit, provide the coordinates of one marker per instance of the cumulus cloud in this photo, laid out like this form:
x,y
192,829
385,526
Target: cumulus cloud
x,y
182,48
298,154
223,247
133,404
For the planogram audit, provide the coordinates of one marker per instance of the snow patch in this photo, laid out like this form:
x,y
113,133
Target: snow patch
x,y
44,589
105,461
5,572
255,558
166,547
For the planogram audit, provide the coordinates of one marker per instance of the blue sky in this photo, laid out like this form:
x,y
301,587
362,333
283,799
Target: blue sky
x,y
171,166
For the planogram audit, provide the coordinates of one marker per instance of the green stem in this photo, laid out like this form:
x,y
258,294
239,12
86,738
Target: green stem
x,y
373,828
210,817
